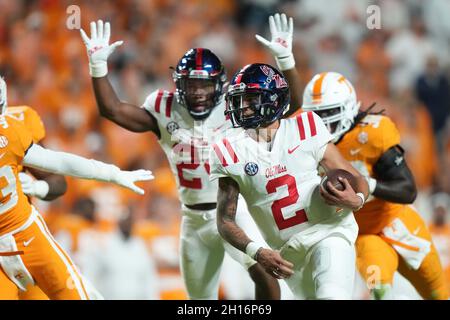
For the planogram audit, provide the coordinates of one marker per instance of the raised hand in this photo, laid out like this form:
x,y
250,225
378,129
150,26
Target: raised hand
x,y
98,47
280,46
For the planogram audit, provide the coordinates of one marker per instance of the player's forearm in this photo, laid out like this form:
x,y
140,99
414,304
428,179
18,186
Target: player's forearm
x,y
69,164
233,234
396,191
107,101
296,88
227,199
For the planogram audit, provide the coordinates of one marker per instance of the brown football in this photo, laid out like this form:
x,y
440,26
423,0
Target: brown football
x,y
333,176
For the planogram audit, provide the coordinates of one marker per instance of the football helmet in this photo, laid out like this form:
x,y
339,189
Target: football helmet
x,y
332,97
257,96
199,63
3,96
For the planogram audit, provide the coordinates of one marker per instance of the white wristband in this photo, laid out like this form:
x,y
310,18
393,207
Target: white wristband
x,y
98,70
285,63
372,184
251,249
41,189
363,199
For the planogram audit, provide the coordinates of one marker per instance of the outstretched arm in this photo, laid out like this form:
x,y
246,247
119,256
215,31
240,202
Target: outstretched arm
x,y
280,47
126,115
227,200
76,166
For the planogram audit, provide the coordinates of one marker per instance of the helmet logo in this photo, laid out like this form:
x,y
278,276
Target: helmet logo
x,y
251,168
279,81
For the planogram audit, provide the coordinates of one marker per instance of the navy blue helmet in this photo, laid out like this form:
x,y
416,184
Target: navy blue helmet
x,y
200,63
257,96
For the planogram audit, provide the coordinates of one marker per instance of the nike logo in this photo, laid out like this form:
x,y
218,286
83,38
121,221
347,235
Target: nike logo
x,y
354,151
416,231
2,155
292,150
27,243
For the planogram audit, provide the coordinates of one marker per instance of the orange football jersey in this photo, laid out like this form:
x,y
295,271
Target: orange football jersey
x,y
362,147
15,209
30,119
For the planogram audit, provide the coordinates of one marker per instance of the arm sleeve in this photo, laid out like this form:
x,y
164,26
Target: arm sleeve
x,y
69,164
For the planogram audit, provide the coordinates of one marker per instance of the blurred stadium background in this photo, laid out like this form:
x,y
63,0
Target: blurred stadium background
x,y
404,67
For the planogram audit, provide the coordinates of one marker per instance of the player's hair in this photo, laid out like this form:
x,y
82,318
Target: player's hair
x,y
360,116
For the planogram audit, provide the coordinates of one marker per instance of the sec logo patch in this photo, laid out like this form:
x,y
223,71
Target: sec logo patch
x,y
172,127
3,141
251,168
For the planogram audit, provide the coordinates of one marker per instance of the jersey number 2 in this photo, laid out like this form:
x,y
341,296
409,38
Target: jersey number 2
x,y
292,198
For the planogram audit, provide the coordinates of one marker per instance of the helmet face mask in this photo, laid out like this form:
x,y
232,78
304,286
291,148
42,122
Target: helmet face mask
x,y
254,100
3,96
200,79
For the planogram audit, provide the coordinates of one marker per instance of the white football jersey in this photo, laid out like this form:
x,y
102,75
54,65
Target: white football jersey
x,y
186,143
280,185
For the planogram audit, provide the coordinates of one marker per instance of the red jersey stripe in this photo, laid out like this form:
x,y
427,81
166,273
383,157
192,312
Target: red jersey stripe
x,y
312,124
301,127
220,155
158,101
169,104
230,150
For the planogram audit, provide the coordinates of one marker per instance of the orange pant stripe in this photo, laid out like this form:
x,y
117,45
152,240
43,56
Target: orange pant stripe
x,y
65,254
398,243
68,263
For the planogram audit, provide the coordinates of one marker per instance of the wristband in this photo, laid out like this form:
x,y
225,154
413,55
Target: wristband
x,y
251,249
98,70
285,63
363,198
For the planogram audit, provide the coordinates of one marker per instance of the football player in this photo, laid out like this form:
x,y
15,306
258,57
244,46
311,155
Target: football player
x,y
186,122
42,185
273,163
29,254
392,235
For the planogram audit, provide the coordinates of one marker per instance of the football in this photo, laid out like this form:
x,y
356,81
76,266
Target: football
x,y
333,176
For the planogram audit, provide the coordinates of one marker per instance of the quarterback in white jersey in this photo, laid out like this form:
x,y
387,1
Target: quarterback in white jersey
x,y
186,122
273,164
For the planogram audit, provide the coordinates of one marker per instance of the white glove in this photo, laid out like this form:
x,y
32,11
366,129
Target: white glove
x,y
32,187
281,44
98,48
128,178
